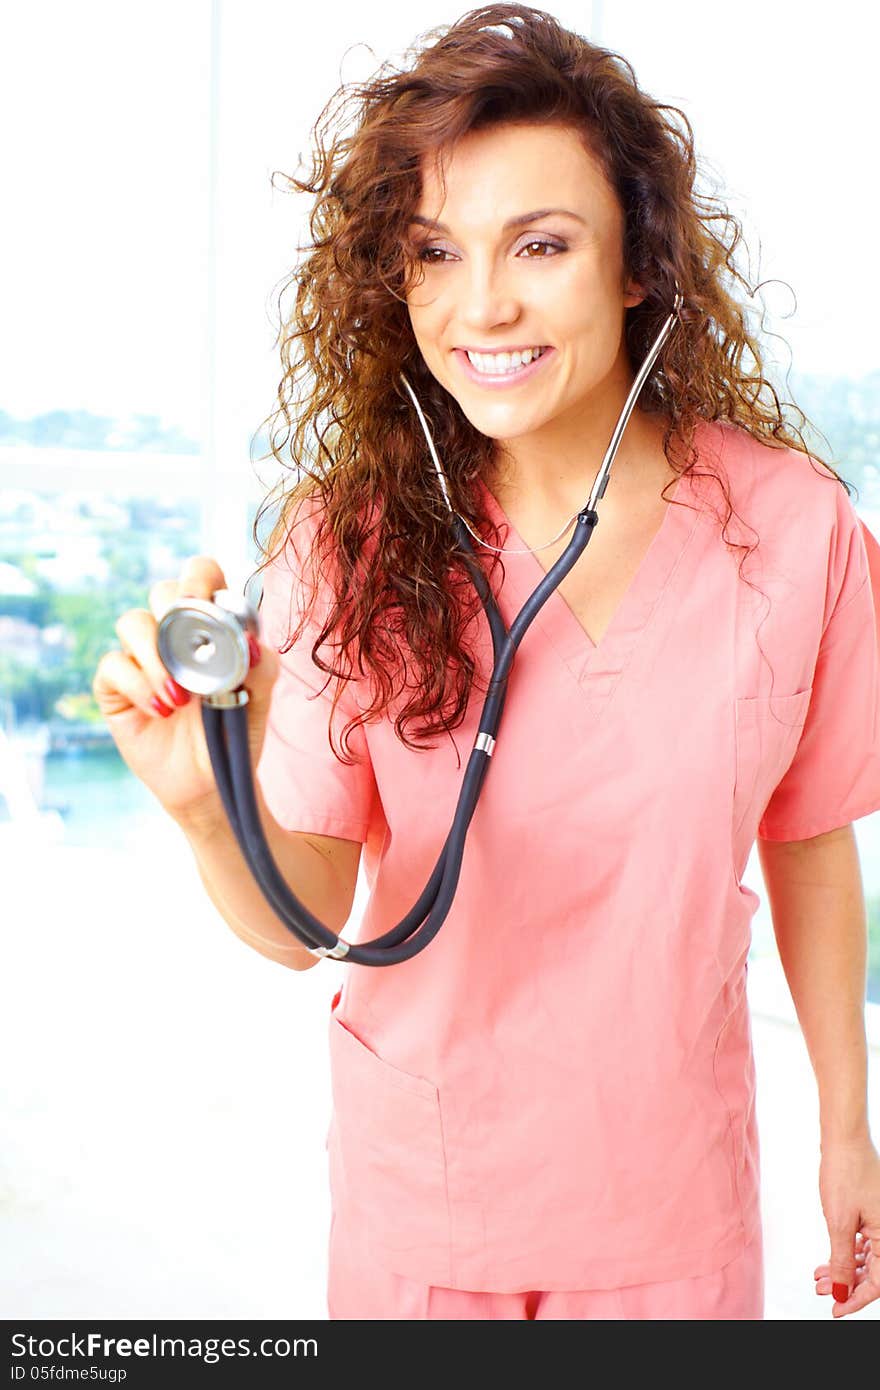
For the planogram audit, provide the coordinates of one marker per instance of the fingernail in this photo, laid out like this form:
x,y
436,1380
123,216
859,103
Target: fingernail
x,y
160,707
253,648
841,1292
177,693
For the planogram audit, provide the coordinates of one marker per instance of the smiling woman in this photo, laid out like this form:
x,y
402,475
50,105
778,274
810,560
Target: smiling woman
x,y
550,1112
579,256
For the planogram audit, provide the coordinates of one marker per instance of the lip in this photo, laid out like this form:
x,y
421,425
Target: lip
x,y
493,351
504,381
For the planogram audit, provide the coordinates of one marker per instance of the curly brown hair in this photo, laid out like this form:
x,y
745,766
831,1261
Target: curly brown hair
x,y
383,541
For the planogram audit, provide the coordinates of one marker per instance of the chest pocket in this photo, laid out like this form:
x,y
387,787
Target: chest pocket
x,y
768,730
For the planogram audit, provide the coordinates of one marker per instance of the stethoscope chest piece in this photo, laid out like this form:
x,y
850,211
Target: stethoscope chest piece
x,y
203,643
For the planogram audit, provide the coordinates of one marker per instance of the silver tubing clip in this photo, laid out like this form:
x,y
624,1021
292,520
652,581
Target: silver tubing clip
x,y
336,952
227,699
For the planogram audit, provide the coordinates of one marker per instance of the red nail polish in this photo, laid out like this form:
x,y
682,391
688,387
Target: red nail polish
x,y
178,695
160,707
253,648
840,1292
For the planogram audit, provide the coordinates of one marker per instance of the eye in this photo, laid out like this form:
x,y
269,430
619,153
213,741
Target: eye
x,y
425,254
548,246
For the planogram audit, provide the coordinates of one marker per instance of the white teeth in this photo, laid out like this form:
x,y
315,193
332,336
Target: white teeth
x,y
498,363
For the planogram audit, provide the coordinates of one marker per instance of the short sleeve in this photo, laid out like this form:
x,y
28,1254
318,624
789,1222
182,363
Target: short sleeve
x,y
834,776
304,784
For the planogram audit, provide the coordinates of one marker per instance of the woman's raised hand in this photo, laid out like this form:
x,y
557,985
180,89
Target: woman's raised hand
x,y
156,725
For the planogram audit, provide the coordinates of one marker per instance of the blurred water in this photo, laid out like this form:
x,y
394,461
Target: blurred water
x,y
103,804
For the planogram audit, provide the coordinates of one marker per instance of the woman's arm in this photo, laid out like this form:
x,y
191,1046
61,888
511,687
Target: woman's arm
x,y
820,920
817,903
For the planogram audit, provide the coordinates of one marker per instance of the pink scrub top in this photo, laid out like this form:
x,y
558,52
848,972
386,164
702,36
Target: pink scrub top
x,y
559,1091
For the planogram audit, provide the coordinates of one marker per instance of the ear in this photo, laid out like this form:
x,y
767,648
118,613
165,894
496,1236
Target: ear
x,y
633,295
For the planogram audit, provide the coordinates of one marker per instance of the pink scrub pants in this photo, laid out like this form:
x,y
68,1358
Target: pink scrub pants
x,y
356,1289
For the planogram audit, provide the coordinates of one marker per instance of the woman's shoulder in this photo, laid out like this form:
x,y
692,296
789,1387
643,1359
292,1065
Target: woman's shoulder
x,y
801,520
777,488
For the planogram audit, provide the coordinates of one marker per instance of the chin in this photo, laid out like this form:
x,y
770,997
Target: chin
x,y
507,423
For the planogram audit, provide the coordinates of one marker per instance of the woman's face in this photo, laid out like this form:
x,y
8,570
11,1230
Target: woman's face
x,y
501,273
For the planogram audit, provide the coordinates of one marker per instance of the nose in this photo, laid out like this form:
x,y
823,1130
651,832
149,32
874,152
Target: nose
x,y
486,296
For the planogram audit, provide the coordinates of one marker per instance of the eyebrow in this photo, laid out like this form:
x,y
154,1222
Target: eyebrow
x,y
518,221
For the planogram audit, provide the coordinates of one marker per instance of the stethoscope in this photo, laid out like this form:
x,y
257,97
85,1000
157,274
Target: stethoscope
x,y
204,646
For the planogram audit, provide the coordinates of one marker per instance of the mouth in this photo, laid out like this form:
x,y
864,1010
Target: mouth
x,y
502,369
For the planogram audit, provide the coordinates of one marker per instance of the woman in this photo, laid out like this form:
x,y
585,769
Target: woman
x,y
549,1112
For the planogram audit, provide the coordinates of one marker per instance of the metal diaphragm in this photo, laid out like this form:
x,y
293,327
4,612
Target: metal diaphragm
x,y
203,642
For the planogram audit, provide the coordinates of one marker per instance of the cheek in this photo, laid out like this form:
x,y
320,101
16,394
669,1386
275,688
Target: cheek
x,y
593,331
567,304
423,329
427,327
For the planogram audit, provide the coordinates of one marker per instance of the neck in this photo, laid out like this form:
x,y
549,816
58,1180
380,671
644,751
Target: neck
x,y
553,475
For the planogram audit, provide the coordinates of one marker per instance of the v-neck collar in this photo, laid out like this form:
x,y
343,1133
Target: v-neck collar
x,y
585,658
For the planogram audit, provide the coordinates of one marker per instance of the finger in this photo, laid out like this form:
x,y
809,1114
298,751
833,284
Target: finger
x,y
825,1286
136,630
200,577
120,686
842,1264
161,596
865,1292
822,1271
